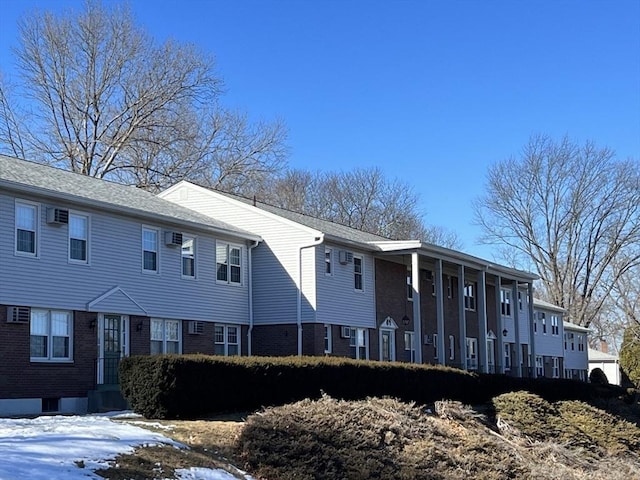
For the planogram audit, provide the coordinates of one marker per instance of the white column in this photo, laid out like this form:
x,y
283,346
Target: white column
x,y
462,319
500,327
482,321
532,343
440,313
417,319
516,327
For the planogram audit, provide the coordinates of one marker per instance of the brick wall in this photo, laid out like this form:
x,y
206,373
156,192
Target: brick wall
x,y
275,340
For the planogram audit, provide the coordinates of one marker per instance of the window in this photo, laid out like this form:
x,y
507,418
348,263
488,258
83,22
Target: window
x,y
507,357
149,249
452,347
543,321
409,284
572,342
78,238
555,328
433,283
327,261
555,370
566,341
51,338
188,257
472,353
409,346
449,286
505,302
27,228
470,296
327,339
539,366
435,346
165,336
228,263
520,301
227,340
580,343
357,273
359,341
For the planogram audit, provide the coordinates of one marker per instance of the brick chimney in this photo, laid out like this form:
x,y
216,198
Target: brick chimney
x,y
604,348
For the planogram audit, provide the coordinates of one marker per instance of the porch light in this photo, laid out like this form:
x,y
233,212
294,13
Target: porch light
x,y
405,320
92,323
504,332
139,326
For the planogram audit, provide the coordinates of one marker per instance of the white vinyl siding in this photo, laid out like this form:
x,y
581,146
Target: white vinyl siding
x,y
27,215
166,336
51,336
78,238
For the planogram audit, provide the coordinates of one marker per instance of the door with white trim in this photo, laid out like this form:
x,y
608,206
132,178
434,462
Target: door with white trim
x,y
113,341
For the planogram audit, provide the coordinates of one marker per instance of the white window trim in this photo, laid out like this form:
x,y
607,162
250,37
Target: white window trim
x,y
164,333
73,213
506,303
507,357
328,260
408,335
225,331
229,246
359,290
452,347
37,220
539,366
555,367
353,341
49,358
409,284
435,346
142,249
195,257
328,340
472,297
471,362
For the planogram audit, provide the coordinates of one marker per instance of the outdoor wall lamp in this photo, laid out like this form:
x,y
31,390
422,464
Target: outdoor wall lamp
x,y
92,323
504,332
139,326
405,320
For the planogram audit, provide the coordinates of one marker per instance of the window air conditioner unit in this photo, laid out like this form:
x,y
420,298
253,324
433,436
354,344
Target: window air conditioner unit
x,y
345,257
173,239
57,216
196,328
345,332
18,314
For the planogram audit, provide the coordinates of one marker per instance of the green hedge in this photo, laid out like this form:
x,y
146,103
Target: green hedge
x,y
188,386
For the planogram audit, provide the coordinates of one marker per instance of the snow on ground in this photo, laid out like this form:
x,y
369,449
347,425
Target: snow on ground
x,y
46,448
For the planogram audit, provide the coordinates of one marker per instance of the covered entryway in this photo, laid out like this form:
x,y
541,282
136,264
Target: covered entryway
x,y
388,340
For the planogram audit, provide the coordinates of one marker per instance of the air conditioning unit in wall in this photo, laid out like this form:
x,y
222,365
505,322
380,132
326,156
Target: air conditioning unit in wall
x,y
173,239
345,257
196,328
18,314
428,340
57,216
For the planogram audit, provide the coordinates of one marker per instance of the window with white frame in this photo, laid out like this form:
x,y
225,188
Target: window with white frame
x,y
328,257
507,356
555,367
78,238
543,321
227,340
581,343
228,263
452,347
27,215
166,336
188,256
555,326
470,296
358,272
472,353
327,339
539,366
505,302
409,284
409,346
359,340
149,249
520,301
433,284
566,340
51,335
449,286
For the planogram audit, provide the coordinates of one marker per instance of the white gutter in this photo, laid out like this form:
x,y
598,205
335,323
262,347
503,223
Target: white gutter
x,y
317,241
250,266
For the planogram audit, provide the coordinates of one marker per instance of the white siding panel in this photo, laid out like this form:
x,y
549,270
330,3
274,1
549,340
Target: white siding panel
x,y
115,260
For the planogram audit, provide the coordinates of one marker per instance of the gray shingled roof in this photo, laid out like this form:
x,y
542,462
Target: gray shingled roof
x,y
327,227
81,189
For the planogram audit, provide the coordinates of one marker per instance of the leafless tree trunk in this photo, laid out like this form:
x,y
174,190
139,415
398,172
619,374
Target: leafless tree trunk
x,y
112,103
574,213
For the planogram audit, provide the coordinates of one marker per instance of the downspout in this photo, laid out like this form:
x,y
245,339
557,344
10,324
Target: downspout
x,y
317,241
250,266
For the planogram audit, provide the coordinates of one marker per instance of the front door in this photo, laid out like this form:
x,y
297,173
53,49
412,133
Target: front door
x,y
113,346
387,341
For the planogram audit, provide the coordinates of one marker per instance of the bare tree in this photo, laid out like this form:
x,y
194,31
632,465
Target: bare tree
x,y
113,103
574,213
363,199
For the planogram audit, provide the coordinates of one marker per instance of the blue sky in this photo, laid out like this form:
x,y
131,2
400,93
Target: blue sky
x,y
432,92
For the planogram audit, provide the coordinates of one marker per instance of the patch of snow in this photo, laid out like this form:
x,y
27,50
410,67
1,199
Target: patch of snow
x,y
146,424
206,474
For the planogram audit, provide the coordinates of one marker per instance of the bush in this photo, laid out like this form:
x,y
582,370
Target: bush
x,y
598,377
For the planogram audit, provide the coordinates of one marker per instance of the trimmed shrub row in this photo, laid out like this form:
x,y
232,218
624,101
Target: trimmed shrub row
x,y
189,386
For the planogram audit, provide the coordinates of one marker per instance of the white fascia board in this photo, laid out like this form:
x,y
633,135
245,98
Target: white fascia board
x,y
131,212
245,206
573,327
